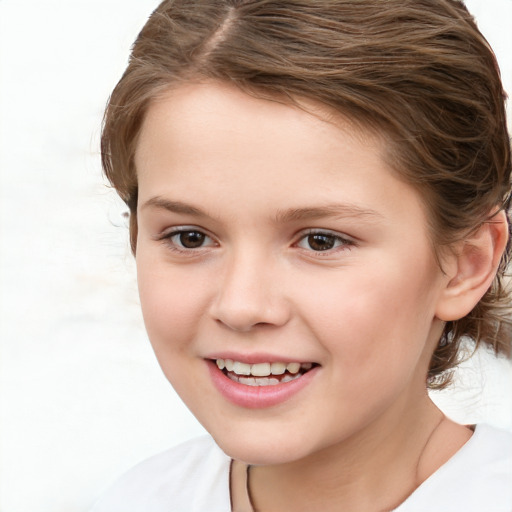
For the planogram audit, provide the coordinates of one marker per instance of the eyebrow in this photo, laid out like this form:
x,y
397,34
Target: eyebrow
x,y
282,216
330,210
173,206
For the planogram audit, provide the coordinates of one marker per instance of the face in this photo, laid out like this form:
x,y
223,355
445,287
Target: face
x,y
286,277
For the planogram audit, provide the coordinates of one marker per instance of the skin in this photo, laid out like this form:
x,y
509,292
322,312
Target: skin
x,y
256,177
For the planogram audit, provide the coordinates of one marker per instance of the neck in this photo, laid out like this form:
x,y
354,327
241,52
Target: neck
x,y
374,470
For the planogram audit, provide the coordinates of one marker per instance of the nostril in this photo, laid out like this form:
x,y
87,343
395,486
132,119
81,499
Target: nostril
x,y
237,325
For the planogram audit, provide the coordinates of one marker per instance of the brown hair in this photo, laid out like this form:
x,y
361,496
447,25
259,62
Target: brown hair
x,y
417,72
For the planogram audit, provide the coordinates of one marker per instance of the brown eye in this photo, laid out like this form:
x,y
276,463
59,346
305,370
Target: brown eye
x,y
321,242
191,239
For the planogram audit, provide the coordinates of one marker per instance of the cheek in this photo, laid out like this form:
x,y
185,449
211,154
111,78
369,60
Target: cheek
x,y
375,323
172,302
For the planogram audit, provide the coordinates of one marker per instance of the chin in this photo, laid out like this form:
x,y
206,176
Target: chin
x,y
260,450
259,454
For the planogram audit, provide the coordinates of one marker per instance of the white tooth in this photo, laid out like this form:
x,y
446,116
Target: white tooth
x,y
288,378
277,368
248,381
220,364
259,381
293,367
260,369
242,368
229,365
306,366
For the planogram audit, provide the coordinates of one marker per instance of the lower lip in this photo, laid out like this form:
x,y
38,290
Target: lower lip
x,y
257,397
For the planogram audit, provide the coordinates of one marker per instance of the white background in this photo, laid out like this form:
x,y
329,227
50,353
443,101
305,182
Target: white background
x,y
82,396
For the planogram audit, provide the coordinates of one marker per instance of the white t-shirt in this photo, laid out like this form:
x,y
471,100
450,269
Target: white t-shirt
x,y
194,477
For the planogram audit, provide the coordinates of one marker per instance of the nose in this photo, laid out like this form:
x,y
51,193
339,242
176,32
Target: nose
x,y
251,295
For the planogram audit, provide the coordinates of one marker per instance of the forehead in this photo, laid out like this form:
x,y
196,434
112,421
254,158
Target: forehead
x,y
206,105
204,115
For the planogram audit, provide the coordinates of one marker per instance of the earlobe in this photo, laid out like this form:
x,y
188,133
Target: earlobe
x,y
473,267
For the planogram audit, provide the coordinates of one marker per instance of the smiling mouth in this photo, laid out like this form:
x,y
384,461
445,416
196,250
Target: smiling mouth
x,y
263,374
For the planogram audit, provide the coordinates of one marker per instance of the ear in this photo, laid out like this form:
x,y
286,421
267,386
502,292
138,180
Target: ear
x,y
472,268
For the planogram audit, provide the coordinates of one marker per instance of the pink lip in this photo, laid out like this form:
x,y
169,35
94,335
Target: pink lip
x,y
257,397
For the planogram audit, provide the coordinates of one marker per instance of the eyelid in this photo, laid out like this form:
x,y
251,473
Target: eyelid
x,y
180,228
325,231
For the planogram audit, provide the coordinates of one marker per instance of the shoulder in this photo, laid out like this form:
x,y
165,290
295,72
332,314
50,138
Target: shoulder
x,y
492,447
486,459
478,477
191,477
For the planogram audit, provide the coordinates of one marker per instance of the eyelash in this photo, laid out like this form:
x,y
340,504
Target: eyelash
x,y
340,243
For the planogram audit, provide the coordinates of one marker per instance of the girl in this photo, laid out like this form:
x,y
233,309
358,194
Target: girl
x,y
319,196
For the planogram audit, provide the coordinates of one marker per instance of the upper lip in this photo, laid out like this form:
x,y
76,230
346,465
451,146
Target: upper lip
x,y
256,358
